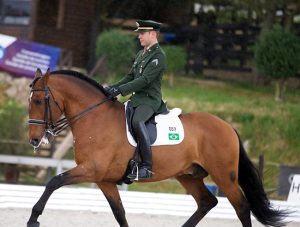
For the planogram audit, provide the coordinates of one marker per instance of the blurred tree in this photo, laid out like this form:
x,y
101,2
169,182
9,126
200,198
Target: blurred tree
x,y
265,11
277,54
118,49
176,61
261,12
174,12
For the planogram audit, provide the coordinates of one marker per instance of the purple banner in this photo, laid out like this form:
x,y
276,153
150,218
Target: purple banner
x,y
22,57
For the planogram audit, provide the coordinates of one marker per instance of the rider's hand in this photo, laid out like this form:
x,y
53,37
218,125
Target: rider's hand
x,y
113,92
107,88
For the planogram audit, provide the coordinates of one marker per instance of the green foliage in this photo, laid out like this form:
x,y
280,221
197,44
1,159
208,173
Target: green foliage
x,y
119,49
13,128
176,58
277,53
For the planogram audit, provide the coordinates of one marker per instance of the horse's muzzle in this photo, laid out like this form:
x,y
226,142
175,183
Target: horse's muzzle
x,y
34,142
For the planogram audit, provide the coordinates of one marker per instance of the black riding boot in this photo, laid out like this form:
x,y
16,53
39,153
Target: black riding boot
x,y
144,171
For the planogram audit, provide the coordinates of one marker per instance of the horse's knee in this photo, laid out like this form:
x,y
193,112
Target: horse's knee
x,y
56,182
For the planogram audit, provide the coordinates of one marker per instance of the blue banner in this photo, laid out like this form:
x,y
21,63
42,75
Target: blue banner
x,y
22,57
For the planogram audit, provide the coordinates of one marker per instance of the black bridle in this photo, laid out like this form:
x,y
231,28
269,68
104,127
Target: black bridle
x,y
54,128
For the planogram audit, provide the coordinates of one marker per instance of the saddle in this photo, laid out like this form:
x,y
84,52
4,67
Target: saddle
x,y
163,129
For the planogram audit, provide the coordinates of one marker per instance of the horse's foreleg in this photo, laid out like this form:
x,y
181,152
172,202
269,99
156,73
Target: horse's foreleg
x,y
112,195
205,200
72,176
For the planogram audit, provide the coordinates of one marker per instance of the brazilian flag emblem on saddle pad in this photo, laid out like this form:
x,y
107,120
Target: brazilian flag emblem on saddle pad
x,y
173,136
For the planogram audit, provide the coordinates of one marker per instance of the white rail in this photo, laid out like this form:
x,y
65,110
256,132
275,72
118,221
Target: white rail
x,y
37,161
67,198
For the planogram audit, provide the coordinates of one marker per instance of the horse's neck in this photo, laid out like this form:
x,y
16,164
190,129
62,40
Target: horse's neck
x,y
78,96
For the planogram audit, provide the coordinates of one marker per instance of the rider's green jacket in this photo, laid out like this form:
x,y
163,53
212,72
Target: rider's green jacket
x,y
144,79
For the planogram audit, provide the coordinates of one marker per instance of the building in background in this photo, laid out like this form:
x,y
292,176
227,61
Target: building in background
x,y
69,25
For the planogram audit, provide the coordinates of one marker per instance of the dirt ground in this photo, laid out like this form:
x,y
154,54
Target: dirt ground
x,y
14,217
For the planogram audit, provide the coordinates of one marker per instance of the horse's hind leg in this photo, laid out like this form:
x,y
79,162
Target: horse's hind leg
x,y
230,188
204,198
112,195
73,176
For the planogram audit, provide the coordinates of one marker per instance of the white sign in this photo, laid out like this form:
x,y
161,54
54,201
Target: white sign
x,y
294,195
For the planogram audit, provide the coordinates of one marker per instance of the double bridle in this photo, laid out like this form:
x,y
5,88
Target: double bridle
x,y
54,128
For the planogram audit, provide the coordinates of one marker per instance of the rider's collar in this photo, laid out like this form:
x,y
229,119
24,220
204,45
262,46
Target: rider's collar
x,y
152,47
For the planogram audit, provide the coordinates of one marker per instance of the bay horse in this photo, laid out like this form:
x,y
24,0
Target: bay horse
x,y
210,147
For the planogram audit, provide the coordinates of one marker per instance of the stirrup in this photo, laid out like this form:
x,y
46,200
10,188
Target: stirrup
x,y
134,172
134,175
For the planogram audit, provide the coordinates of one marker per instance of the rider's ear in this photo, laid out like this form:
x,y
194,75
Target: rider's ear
x,y
38,73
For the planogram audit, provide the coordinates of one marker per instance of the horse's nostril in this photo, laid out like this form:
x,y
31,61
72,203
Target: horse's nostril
x,y
34,142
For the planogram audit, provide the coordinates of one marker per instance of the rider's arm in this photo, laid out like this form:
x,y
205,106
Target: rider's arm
x,y
130,76
127,78
152,71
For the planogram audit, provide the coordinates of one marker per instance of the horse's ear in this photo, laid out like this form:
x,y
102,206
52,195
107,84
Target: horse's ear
x,y
46,76
38,73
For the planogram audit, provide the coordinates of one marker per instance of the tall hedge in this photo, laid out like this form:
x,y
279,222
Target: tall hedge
x,y
176,61
277,55
176,58
118,48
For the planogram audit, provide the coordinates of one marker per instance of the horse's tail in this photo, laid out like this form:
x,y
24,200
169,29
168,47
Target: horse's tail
x,y
250,182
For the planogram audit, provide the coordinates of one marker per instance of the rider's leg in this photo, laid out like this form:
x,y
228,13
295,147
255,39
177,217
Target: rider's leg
x,y
144,145
141,114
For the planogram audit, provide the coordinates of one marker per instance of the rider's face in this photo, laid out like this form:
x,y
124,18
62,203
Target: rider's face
x,y
146,38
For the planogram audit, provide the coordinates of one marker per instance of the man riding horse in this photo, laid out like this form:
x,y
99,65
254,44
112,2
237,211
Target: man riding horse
x,y
144,83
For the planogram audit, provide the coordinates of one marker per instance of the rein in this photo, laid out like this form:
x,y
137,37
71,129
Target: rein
x,y
64,122
55,128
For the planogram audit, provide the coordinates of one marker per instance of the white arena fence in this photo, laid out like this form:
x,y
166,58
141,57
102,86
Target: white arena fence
x,y
88,199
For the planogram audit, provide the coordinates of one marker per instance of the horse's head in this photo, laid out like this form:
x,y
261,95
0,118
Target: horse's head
x,y
44,110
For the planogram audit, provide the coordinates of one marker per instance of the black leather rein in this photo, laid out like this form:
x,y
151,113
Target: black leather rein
x,y
55,128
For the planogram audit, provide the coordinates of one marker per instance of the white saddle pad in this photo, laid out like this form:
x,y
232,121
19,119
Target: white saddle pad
x,y
169,129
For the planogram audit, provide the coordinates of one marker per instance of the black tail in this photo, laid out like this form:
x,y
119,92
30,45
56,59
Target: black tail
x,y
252,186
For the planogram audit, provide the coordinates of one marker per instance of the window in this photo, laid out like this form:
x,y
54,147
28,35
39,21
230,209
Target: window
x,y
15,12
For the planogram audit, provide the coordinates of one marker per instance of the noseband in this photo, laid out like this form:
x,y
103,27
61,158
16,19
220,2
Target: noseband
x,y
54,128
50,126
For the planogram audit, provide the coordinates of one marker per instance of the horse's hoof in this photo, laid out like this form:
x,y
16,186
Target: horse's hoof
x,y
35,224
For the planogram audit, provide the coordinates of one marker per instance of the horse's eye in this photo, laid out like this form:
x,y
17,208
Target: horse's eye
x,y
37,102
